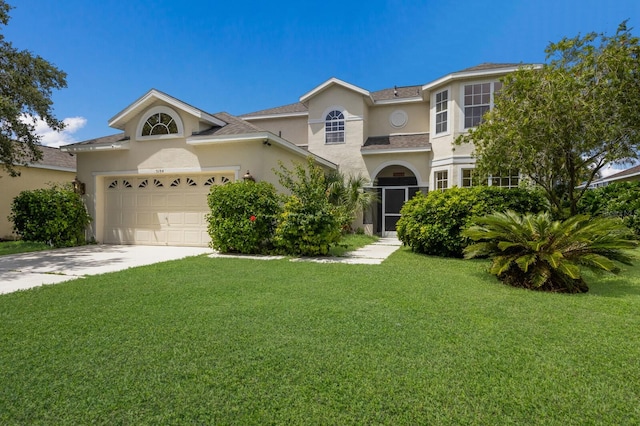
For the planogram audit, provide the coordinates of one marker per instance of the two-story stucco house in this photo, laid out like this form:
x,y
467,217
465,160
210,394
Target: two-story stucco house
x,y
148,185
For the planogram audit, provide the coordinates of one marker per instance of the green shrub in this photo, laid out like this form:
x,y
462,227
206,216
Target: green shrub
x,y
621,199
242,217
432,223
536,252
55,215
309,224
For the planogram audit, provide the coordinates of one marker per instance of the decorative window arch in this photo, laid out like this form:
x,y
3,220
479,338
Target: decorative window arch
x,y
334,127
160,122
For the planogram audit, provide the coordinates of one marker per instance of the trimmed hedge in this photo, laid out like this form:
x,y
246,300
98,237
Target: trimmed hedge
x,y
432,223
620,199
56,216
243,216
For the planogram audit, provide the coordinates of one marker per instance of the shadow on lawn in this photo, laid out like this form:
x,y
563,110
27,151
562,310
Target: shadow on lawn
x,y
617,286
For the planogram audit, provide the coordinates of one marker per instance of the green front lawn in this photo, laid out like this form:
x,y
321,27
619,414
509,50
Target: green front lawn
x,y
14,247
416,340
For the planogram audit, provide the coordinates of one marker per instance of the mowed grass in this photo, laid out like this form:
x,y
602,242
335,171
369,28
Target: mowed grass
x,y
416,340
14,247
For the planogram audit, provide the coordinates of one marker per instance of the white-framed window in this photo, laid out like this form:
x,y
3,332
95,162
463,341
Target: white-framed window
x,y
505,179
160,122
334,127
466,178
477,100
441,180
442,111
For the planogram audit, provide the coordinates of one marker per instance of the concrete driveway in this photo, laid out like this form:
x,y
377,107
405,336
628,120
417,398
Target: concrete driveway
x,y
27,270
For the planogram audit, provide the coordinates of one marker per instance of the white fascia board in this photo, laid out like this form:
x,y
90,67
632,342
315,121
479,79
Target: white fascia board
x,y
114,146
620,178
400,101
259,136
453,160
475,74
304,98
47,167
395,151
269,116
118,121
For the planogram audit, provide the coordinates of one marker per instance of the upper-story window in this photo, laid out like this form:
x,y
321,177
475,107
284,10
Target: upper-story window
x,y
442,106
478,99
160,122
334,127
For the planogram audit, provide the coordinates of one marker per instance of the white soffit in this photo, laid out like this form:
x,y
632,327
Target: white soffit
x,y
474,74
119,120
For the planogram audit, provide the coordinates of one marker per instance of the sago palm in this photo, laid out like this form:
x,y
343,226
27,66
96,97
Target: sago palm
x,y
536,252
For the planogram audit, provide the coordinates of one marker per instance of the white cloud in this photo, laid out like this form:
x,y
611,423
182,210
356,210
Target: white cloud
x,y
56,139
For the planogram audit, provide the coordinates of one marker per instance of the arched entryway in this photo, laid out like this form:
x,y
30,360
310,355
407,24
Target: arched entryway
x,y
394,185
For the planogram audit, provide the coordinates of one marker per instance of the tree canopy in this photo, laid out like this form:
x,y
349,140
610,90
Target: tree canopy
x,y
560,123
26,85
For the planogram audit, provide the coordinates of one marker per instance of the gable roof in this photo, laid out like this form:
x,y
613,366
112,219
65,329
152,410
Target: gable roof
x,y
120,119
333,82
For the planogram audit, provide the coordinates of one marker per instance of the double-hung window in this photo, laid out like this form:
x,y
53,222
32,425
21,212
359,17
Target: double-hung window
x,y
442,106
334,127
478,99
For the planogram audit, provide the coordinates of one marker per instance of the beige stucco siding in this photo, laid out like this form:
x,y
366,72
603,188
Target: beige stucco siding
x,y
346,154
417,162
293,129
30,178
379,122
176,157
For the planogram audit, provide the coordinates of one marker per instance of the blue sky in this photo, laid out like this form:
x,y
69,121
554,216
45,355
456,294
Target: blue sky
x,y
242,56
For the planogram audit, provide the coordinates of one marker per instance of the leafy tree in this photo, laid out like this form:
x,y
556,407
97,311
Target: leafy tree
x,y
561,123
538,253
26,84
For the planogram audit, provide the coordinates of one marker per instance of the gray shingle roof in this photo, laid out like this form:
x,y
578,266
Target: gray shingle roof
x,y
101,140
53,157
397,93
628,172
486,66
396,142
235,126
285,109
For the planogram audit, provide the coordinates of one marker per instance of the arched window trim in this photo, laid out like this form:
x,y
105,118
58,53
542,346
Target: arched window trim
x,y
160,110
335,119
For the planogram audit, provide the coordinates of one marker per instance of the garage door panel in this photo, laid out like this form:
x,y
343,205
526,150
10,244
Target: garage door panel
x,y
169,210
192,218
158,200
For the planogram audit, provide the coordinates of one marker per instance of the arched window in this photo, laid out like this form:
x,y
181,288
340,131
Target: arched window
x,y
334,127
160,122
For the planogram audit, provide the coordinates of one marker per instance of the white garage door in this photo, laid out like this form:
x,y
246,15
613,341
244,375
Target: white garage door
x,y
158,210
